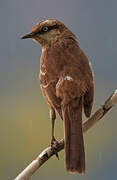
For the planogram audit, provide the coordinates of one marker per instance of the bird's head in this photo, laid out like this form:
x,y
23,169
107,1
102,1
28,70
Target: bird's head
x,y
47,31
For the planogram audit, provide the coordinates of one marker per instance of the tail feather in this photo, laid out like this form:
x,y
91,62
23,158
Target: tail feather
x,y
74,145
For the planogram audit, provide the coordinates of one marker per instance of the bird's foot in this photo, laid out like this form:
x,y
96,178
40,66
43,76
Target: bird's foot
x,y
54,144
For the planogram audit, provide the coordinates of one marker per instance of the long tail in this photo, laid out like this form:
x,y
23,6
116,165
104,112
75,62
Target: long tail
x,y
74,145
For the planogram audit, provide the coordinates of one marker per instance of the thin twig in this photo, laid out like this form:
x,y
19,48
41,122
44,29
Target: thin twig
x,y
49,152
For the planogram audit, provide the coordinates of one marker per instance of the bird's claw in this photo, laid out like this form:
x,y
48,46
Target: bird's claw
x,y
54,144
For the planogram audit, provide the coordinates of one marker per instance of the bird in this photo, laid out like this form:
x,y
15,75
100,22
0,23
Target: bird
x,y
66,81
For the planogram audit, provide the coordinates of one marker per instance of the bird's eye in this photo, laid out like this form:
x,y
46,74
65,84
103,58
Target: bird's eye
x,y
45,28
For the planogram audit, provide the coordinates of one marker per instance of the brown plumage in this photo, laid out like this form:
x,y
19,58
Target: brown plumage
x,y
67,84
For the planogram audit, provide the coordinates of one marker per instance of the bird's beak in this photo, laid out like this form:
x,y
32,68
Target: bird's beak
x,y
29,35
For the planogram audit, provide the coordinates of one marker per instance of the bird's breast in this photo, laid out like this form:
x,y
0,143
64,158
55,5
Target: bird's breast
x,y
47,75
51,64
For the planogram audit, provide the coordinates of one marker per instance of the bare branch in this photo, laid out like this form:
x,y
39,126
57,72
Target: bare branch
x,y
50,151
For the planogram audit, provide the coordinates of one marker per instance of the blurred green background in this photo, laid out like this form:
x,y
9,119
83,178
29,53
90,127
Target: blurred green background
x,y
24,116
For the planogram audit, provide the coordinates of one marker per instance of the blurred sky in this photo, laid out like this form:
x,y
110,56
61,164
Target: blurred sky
x,y
24,116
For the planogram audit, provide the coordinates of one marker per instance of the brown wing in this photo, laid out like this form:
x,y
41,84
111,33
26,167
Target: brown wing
x,y
89,94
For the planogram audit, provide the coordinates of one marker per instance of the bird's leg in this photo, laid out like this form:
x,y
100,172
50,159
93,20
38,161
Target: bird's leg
x,y
54,142
53,117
